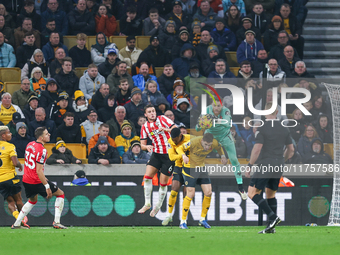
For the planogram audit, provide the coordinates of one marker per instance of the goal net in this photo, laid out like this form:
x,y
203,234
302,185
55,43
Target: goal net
x,y
334,94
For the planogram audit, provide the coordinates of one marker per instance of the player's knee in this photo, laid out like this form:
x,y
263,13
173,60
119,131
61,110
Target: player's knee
x,y
208,193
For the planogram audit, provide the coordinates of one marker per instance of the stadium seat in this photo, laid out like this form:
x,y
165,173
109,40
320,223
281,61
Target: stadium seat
x,y
231,58
78,149
11,87
12,74
70,41
120,41
328,147
196,133
234,70
91,40
142,42
159,71
80,71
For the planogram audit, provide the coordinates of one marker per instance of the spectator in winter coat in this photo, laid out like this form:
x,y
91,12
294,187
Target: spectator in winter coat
x,y
80,55
124,140
105,22
50,95
241,148
153,24
206,15
130,53
38,82
247,24
259,18
249,48
277,50
161,106
305,142
123,95
103,131
223,36
90,82
193,82
36,60
98,99
80,176
275,75
29,109
166,80
62,155
68,130
151,94
28,11
57,110
66,78
220,73
239,3
183,37
182,113
143,76
16,117
25,51
180,17
108,111
5,11
116,122
129,24
119,73
208,65
195,36
81,20
46,32
178,92
55,65
270,36
21,139
51,47
135,108
100,50
317,155
297,127
202,47
7,58
7,32
19,33
297,8
246,74
103,153
287,64
21,96
105,69
81,107
142,7
41,121
181,65
90,127
168,36
53,11
135,155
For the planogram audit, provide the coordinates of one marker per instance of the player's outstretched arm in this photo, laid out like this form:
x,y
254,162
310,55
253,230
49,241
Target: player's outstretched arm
x,y
16,162
43,179
255,153
146,147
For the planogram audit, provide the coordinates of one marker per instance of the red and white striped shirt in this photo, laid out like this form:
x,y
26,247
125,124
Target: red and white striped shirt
x,y
159,139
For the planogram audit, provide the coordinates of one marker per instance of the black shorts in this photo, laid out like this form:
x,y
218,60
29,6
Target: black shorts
x,y
10,187
268,178
33,189
177,174
191,177
162,163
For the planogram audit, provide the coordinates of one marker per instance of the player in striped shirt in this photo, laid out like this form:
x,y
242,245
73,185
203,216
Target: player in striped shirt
x,y
158,130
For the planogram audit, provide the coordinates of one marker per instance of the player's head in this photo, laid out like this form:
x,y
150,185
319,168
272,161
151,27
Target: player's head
x,y
176,135
42,135
5,134
207,141
150,112
217,107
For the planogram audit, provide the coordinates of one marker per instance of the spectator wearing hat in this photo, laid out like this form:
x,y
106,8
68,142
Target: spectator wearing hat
x,y
271,34
81,107
103,132
181,65
119,73
168,36
182,112
247,24
105,21
208,64
143,76
69,131
7,108
90,127
98,99
90,82
36,60
62,155
195,36
317,155
202,47
239,3
21,139
183,37
223,36
55,65
26,50
103,153
81,20
21,96
135,155
8,58
41,121
249,48
180,17
37,81
81,56
193,81
28,11
130,24
135,108
130,53
155,54
108,111
50,95
30,107
206,15
111,61
161,106
153,24
124,140
101,48
16,117
177,93
57,110
80,179
166,80
260,19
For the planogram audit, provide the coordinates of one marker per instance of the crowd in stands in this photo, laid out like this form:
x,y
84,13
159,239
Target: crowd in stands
x,y
104,108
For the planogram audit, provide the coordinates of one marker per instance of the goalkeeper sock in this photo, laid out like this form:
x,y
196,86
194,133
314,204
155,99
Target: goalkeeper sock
x,y
238,174
186,206
172,201
205,206
147,190
161,194
272,202
58,206
24,211
262,204
15,214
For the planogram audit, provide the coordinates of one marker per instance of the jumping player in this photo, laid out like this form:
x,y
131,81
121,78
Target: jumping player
x,y
271,139
158,130
198,149
34,179
10,187
222,134
176,140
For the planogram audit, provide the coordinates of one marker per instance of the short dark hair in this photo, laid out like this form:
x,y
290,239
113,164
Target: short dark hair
x,y
104,125
54,32
153,10
39,132
26,19
29,2
130,37
131,9
148,106
68,114
50,20
175,132
29,33
66,59
123,81
208,137
245,62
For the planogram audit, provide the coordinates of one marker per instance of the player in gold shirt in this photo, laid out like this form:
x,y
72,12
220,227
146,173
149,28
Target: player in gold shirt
x,y
10,187
197,150
176,140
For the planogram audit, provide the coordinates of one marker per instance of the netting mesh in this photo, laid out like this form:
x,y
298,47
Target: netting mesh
x,y
334,94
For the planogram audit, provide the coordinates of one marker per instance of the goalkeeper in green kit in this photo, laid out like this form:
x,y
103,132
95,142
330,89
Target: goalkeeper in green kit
x,y
222,134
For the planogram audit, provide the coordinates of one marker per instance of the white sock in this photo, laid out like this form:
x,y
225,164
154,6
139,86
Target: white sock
x,y
202,219
183,221
161,195
58,206
24,211
147,191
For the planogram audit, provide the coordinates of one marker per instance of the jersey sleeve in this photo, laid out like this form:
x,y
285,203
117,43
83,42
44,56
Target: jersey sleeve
x,y
143,134
41,156
183,148
166,121
12,151
227,116
218,147
259,138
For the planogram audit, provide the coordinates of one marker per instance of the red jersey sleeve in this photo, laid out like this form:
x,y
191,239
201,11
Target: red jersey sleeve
x,y
41,155
166,121
143,133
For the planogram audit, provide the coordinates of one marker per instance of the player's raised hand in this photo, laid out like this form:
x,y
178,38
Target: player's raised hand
x,y
224,160
49,193
149,148
160,129
185,159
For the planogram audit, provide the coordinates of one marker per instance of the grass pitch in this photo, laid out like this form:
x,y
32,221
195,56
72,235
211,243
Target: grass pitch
x,y
170,240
